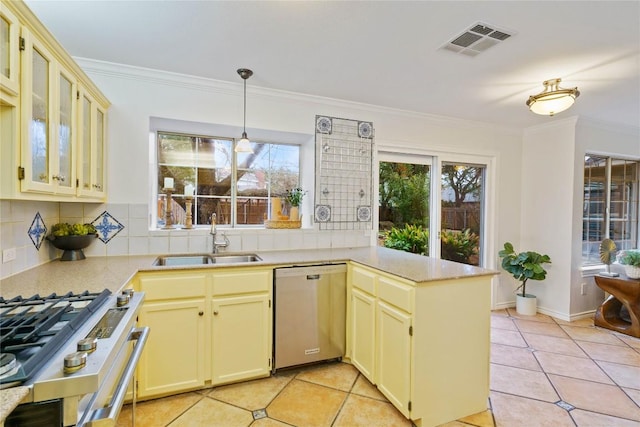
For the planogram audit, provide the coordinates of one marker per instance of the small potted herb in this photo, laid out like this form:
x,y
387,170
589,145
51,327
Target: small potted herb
x,y
294,198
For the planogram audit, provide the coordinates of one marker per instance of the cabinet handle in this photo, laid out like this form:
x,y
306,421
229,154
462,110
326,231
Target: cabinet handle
x,y
215,313
201,313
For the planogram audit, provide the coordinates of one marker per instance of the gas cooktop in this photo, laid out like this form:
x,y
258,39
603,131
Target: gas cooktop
x,y
34,328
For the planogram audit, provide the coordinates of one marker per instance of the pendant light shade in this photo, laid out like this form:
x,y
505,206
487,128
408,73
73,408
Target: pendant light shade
x,y
244,145
553,99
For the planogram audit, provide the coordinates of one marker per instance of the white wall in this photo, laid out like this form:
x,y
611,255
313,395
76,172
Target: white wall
x,y
547,209
552,197
140,94
594,138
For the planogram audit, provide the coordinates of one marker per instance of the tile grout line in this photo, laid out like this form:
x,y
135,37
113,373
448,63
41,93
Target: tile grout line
x,y
335,418
588,356
187,409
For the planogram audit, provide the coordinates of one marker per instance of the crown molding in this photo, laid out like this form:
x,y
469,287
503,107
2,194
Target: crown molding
x,y
186,81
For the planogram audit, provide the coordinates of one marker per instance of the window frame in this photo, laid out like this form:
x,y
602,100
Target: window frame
x,y
233,195
607,201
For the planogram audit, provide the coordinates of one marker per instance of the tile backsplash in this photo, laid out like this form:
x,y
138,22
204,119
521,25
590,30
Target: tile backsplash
x,y
124,230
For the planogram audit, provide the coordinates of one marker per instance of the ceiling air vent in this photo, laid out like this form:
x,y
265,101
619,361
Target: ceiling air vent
x,y
477,38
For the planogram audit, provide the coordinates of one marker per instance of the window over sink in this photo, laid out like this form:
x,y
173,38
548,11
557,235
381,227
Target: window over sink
x,y
235,186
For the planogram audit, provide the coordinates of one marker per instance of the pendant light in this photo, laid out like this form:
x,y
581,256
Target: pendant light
x,y
244,145
553,99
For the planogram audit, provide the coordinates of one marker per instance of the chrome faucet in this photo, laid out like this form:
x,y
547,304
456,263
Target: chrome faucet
x,y
217,243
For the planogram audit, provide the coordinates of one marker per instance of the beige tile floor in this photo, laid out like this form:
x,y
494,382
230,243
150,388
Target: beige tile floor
x,y
544,372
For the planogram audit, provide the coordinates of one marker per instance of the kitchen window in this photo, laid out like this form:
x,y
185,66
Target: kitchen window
x,y
235,186
610,205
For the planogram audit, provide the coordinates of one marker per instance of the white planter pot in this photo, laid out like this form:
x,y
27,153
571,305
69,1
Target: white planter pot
x,y
526,305
632,271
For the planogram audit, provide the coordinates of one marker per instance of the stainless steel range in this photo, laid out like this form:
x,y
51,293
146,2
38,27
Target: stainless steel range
x,y
76,352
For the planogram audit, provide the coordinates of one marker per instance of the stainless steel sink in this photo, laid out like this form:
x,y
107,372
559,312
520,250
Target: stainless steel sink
x,y
167,260
203,259
228,259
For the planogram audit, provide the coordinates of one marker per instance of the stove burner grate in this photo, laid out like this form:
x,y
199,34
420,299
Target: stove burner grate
x,y
37,327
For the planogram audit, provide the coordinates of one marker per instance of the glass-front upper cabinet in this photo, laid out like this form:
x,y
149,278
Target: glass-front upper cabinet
x,y
48,119
91,140
9,51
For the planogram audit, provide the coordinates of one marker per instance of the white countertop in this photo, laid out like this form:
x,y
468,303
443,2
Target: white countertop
x,y
97,273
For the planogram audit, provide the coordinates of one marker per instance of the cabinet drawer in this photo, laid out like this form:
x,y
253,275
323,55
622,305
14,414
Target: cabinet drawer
x,y
364,279
173,286
241,282
395,293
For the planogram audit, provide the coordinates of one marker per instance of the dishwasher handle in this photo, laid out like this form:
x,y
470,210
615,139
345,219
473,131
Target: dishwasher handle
x,y
313,277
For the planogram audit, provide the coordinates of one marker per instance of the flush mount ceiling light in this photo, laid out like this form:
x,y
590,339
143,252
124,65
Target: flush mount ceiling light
x,y
244,145
553,99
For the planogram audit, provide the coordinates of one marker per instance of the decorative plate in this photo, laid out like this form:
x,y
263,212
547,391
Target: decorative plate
x,y
365,130
323,124
363,213
323,213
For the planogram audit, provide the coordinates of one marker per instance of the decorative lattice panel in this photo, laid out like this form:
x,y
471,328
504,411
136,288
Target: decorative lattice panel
x,y
344,156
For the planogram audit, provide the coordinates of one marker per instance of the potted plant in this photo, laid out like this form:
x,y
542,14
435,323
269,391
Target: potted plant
x,y
524,266
72,239
631,261
294,198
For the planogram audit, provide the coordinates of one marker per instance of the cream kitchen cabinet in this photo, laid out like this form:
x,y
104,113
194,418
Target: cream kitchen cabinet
x,y
393,355
430,346
48,93
380,339
208,327
9,45
362,332
241,325
44,116
91,145
174,309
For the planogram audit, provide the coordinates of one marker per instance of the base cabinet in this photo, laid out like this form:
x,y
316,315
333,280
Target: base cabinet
x,y
430,344
393,351
173,358
363,316
208,327
240,338
381,328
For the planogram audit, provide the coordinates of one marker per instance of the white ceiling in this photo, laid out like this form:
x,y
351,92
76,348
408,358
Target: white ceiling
x,y
382,53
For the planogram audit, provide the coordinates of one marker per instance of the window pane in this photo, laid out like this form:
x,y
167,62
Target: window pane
x,y
462,197
270,170
403,205
620,195
207,164
623,208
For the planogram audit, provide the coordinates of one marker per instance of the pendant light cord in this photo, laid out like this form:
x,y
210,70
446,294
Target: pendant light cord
x,y
244,123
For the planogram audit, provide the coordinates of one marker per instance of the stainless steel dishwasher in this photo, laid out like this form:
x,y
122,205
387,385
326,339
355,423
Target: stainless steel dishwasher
x,y
310,312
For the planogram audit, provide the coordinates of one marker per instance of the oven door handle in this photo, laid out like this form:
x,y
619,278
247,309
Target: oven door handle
x,y
113,409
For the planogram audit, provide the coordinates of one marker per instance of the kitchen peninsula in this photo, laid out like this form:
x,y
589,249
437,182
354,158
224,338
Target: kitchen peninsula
x,y
444,366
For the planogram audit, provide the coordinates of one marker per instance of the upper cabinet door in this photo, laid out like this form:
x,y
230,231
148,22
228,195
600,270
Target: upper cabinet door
x,y
9,51
91,146
48,121
37,94
64,131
